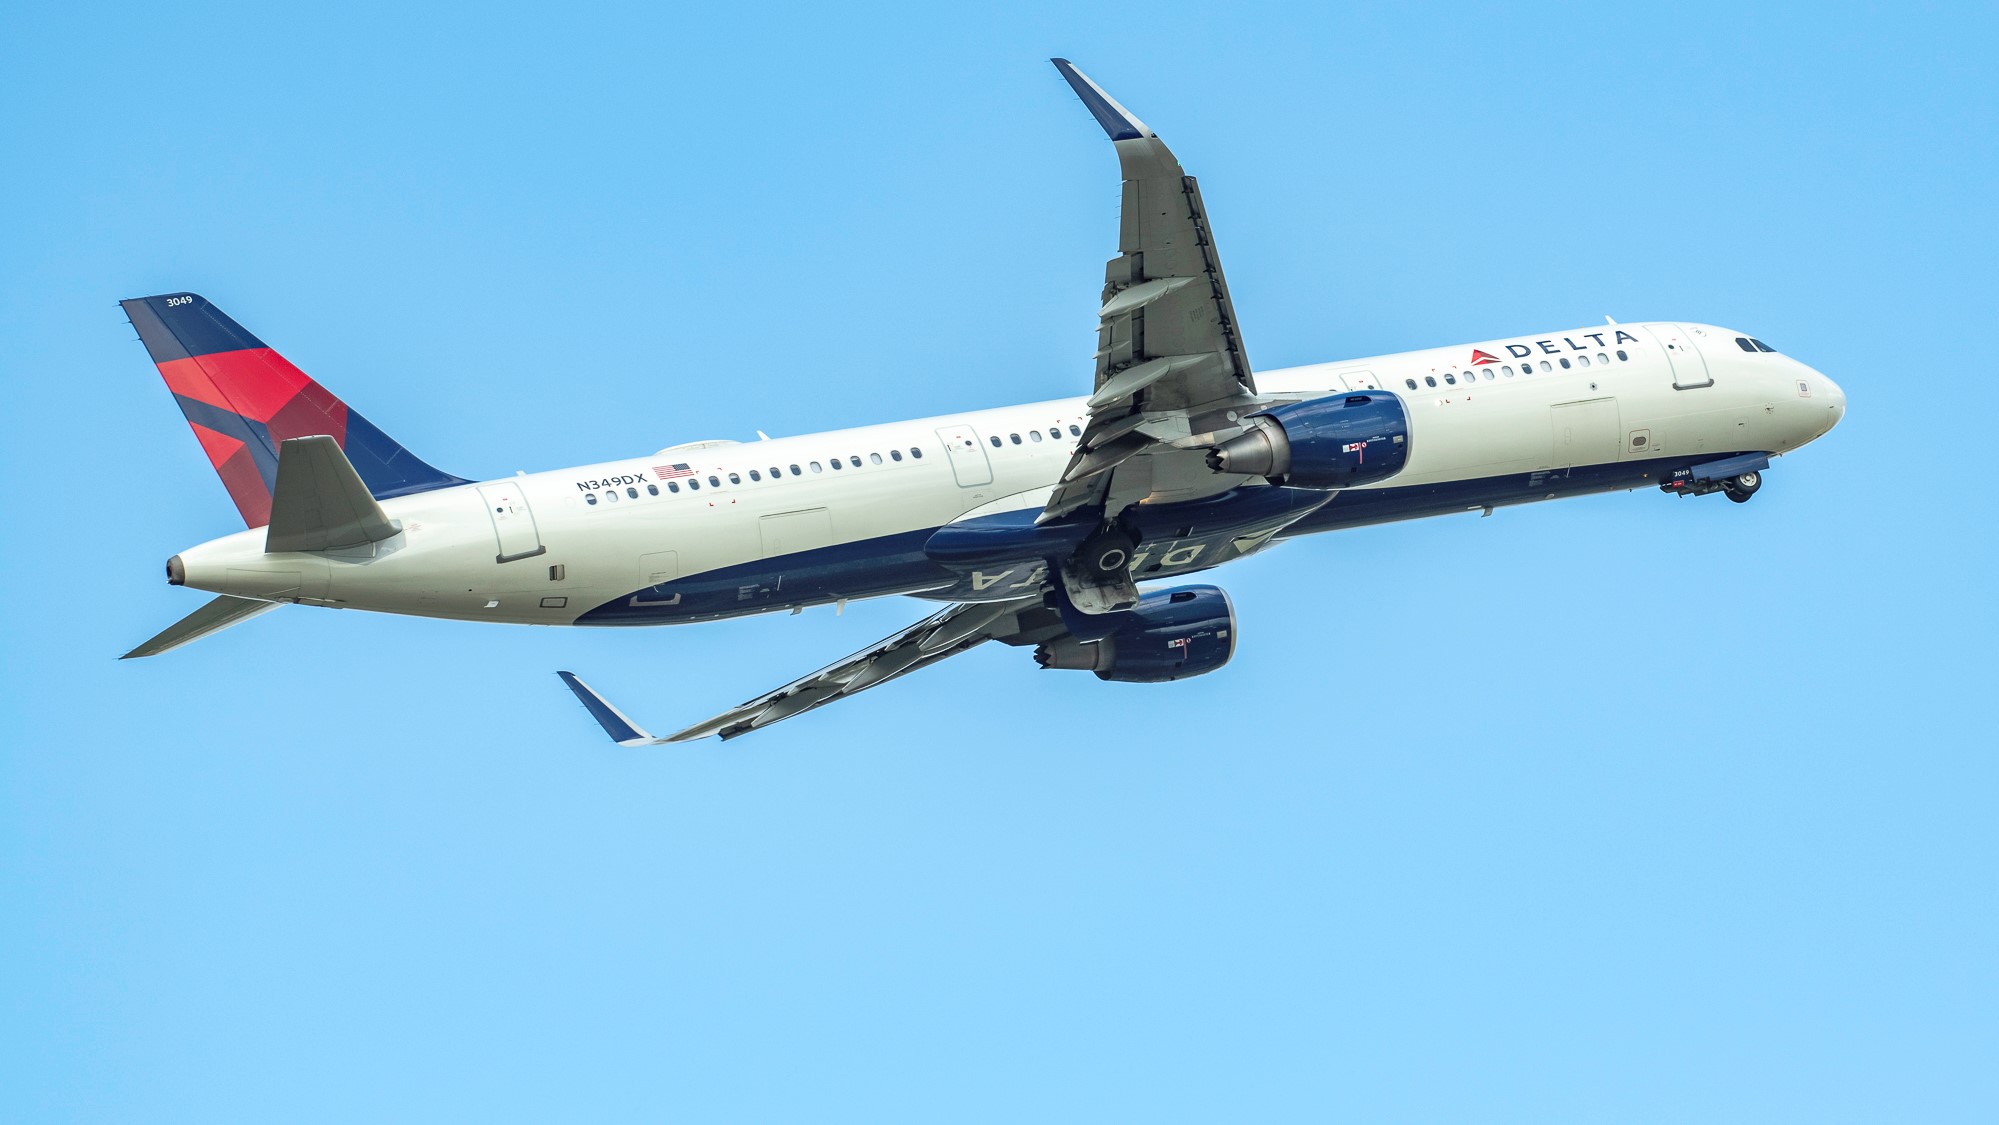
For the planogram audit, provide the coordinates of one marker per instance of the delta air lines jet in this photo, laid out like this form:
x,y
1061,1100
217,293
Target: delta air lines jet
x,y
1033,525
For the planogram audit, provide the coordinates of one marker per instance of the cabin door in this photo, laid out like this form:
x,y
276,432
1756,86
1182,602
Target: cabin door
x,y
513,521
1689,367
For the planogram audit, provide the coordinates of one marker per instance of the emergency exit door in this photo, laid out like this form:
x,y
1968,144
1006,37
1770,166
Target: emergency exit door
x,y
513,521
968,457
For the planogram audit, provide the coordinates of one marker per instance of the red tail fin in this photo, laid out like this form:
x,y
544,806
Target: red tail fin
x,y
243,399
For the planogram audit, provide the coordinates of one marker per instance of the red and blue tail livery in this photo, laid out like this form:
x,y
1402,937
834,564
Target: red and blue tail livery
x,y
243,400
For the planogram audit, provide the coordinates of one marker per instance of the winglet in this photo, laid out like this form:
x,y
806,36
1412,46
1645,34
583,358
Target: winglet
x,y
1116,119
622,730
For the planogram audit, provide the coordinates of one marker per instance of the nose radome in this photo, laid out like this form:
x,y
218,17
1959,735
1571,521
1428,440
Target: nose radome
x,y
1835,400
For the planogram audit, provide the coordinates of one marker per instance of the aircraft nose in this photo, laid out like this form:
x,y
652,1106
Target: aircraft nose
x,y
1835,401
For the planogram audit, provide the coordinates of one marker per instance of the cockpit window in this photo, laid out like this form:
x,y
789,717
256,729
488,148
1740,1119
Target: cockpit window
x,y
1743,343
1762,347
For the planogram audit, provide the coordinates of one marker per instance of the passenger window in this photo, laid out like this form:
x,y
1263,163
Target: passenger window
x,y
1055,432
877,458
893,455
590,498
1603,359
1411,382
1507,371
735,479
632,492
1034,434
1077,431
1743,343
1621,357
1015,437
652,490
1488,374
1546,366
836,464
916,453
672,487
996,441
1565,364
754,475
1583,359
693,485
1430,379
714,483
1451,378
612,496
816,466
854,461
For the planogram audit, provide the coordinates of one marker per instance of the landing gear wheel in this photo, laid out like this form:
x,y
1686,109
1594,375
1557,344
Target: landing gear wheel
x,y
1107,553
1741,488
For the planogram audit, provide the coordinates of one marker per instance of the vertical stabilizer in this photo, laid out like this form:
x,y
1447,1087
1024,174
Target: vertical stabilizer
x,y
244,401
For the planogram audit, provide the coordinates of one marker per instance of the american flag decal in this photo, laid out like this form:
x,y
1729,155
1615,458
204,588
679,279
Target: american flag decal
x,y
668,472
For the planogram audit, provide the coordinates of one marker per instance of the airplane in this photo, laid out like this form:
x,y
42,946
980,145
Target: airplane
x,y
1032,525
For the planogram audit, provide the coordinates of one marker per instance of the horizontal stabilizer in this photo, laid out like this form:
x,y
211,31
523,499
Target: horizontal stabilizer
x,y
211,618
320,502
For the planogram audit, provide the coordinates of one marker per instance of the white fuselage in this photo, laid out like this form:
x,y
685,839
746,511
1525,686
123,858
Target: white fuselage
x,y
576,539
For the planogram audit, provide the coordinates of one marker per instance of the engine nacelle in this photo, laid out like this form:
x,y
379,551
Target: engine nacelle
x,y
1340,441
1170,635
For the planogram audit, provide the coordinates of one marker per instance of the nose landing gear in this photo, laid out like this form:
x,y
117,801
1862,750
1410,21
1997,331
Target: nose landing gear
x,y
1742,486
1737,477
1738,488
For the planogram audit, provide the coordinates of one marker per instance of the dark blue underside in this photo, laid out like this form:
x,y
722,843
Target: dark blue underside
x,y
898,564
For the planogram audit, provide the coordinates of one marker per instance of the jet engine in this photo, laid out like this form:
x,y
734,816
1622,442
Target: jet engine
x,y
1341,441
1169,635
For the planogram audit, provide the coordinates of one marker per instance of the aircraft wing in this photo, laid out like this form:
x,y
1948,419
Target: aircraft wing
x,y
957,629
1170,360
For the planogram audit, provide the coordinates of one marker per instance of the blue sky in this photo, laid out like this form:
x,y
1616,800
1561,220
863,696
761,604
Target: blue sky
x,y
1626,808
